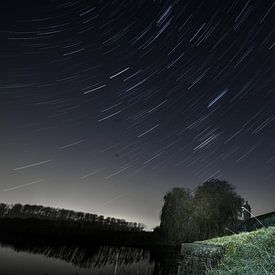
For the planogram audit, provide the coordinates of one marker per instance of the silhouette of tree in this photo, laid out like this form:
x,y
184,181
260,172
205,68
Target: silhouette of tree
x,y
176,215
54,214
217,206
214,206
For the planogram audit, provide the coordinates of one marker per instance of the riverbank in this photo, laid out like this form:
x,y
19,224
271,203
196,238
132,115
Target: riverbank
x,y
246,253
69,233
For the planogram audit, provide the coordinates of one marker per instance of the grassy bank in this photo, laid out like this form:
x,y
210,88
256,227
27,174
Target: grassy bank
x,y
247,253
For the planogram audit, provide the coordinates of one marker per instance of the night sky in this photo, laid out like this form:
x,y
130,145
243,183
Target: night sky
x,y
106,105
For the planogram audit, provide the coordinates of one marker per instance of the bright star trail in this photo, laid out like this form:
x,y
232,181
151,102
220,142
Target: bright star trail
x,y
113,103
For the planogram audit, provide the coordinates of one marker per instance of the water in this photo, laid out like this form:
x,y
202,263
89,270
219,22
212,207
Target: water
x,y
28,259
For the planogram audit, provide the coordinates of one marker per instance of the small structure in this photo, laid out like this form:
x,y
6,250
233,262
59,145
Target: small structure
x,y
246,211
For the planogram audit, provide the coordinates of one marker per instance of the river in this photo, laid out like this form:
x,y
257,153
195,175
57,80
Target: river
x,y
28,259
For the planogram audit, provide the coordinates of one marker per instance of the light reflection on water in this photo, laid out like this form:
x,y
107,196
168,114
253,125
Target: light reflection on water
x,y
26,259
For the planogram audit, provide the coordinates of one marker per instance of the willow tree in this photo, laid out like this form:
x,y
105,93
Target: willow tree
x,y
176,215
207,213
217,206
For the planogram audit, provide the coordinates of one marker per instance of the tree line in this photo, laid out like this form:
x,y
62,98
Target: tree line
x,y
211,210
208,211
55,214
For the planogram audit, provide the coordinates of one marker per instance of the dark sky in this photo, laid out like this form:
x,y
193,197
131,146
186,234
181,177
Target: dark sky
x,y
106,105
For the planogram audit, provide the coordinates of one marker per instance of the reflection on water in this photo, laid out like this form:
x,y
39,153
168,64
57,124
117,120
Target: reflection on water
x,y
96,257
27,258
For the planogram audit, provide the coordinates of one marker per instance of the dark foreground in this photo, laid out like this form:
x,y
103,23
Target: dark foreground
x,y
76,248
81,249
75,233
26,257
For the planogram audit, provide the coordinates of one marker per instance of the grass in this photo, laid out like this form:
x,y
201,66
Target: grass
x,y
247,253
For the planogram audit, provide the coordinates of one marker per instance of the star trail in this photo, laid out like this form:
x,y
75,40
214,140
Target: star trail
x,y
112,103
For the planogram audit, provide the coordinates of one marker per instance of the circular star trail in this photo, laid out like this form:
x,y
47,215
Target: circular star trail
x,y
105,105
